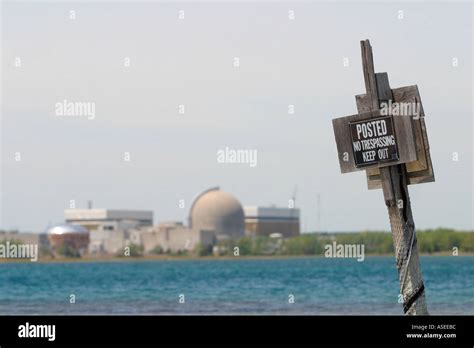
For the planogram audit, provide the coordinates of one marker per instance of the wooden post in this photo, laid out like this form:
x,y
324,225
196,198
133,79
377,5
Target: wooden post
x,y
395,190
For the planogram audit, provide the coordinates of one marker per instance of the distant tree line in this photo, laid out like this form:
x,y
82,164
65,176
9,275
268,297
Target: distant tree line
x,y
440,240
377,243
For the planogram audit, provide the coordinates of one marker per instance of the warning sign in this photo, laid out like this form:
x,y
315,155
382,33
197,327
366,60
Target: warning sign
x,y
373,141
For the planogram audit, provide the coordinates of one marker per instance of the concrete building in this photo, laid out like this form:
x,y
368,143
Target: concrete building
x,y
265,221
41,239
75,237
214,215
109,219
107,242
173,237
109,228
218,212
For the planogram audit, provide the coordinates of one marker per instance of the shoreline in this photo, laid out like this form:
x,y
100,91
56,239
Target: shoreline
x,y
196,258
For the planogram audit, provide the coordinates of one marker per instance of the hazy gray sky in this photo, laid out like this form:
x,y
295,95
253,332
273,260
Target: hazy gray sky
x,y
190,62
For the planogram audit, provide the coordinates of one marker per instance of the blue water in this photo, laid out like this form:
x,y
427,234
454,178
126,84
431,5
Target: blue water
x,y
319,286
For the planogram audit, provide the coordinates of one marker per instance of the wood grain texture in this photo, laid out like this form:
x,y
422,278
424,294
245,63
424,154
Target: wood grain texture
x,y
369,74
421,170
383,87
394,180
403,132
397,200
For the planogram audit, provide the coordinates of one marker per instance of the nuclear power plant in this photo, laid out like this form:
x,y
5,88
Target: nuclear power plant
x,y
217,211
215,216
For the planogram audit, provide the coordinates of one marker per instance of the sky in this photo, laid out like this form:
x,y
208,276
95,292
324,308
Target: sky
x,y
190,61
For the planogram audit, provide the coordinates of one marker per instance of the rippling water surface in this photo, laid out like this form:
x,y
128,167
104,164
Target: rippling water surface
x,y
319,286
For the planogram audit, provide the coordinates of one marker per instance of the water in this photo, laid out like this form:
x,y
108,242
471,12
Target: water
x,y
319,286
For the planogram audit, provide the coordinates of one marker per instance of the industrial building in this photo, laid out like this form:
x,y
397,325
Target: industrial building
x,y
107,242
41,239
108,228
214,216
172,237
75,237
108,219
266,221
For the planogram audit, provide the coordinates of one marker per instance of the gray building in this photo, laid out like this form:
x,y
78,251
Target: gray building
x,y
267,221
41,239
173,237
109,219
109,229
214,215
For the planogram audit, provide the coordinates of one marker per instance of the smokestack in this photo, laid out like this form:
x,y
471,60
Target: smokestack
x,y
89,204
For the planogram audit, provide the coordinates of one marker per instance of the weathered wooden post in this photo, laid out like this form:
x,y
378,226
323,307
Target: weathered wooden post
x,y
393,148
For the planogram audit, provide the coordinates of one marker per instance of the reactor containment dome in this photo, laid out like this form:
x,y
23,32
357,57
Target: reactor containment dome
x,y
218,211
